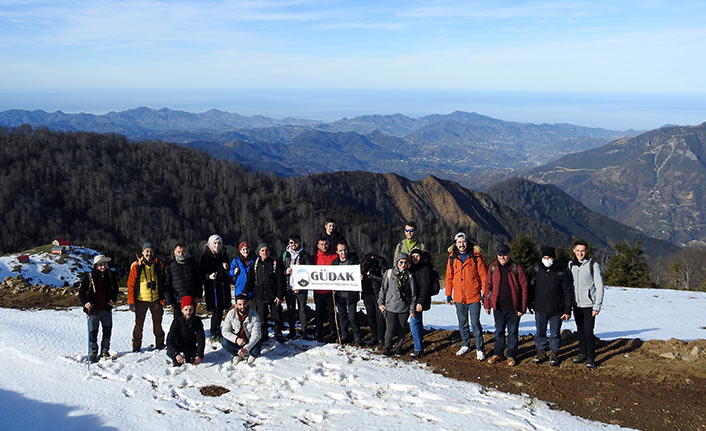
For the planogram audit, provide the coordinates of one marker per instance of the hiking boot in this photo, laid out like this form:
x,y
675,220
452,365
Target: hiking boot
x,y
463,350
553,359
387,352
590,364
511,362
93,358
541,356
480,355
398,352
580,359
279,337
251,359
416,354
105,353
495,359
236,360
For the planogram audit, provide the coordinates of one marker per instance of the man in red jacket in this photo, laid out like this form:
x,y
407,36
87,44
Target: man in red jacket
x,y
506,293
323,299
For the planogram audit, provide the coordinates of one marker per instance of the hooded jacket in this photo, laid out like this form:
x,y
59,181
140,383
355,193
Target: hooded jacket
x,y
217,292
551,290
422,275
465,280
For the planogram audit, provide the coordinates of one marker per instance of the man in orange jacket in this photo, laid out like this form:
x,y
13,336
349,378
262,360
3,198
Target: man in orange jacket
x,y
465,277
145,291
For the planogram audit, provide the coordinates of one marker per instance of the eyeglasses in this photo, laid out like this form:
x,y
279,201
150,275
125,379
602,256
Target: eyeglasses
x,y
294,242
409,230
402,262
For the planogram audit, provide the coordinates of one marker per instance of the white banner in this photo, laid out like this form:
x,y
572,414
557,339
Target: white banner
x,y
327,277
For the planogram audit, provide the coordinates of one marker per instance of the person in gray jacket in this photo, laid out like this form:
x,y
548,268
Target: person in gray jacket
x,y
588,299
396,301
242,332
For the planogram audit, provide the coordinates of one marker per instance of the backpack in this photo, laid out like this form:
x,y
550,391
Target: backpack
x,y
514,268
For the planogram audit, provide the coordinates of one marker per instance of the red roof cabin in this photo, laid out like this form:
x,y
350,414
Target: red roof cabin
x,y
60,242
23,259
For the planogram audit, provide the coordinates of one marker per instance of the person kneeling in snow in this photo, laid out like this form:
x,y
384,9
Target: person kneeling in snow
x,y
242,332
186,339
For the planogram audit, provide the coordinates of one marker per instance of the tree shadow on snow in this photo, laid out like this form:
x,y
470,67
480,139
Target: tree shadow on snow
x,y
19,412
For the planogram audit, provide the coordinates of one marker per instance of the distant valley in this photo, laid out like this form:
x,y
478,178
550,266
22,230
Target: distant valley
x,y
469,148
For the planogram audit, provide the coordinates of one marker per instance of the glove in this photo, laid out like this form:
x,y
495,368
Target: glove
x,y
449,299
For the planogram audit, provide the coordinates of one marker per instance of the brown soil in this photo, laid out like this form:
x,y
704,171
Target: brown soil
x,y
213,391
648,385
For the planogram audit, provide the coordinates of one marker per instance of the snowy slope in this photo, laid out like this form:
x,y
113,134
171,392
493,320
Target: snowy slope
x,y
300,385
46,268
649,314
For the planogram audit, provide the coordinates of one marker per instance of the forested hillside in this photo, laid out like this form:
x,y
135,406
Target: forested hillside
x,y
108,193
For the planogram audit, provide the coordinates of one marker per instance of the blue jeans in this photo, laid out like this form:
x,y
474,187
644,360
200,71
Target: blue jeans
x,y
540,339
462,311
233,348
506,318
416,326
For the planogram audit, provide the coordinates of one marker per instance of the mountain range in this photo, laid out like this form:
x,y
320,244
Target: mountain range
x,y
469,148
655,181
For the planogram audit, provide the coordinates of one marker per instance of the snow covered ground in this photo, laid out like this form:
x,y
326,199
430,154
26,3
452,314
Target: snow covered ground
x,y
299,385
46,268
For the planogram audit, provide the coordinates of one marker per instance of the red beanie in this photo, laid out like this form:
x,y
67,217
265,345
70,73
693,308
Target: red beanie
x,y
242,244
187,300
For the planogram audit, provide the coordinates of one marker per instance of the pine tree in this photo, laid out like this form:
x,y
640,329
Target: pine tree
x,y
627,267
524,251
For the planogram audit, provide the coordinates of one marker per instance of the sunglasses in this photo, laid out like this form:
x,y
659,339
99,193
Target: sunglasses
x,y
409,230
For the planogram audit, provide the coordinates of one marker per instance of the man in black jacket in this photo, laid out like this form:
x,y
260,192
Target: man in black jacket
x,y
98,292
551,297
295,254
372,268
347,302
266,279
186,339
181,278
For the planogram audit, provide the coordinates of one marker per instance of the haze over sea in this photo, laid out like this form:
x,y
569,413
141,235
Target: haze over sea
x,y
620,111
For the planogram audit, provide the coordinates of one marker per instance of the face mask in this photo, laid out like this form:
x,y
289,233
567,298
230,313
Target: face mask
x,y
548,262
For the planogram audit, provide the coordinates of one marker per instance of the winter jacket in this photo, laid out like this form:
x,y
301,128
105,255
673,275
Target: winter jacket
x,y
320,258
266,280
180,280
405,247
133,279
87,288
289,258
397,299
242,277
517,280
252,325
216,292
551,290
422,275
350,297
465,280
186,336
588,289
373,267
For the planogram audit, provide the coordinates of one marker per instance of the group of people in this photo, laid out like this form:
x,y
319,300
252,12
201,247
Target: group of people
x,y
394,298
549,290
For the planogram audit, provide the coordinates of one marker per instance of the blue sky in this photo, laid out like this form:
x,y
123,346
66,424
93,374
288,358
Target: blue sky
x,y
608,47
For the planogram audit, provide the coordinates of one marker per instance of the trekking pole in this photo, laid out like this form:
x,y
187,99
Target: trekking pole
x,y
88,358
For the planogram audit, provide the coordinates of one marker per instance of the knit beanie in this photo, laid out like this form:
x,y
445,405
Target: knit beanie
x,y
187,300
548,251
